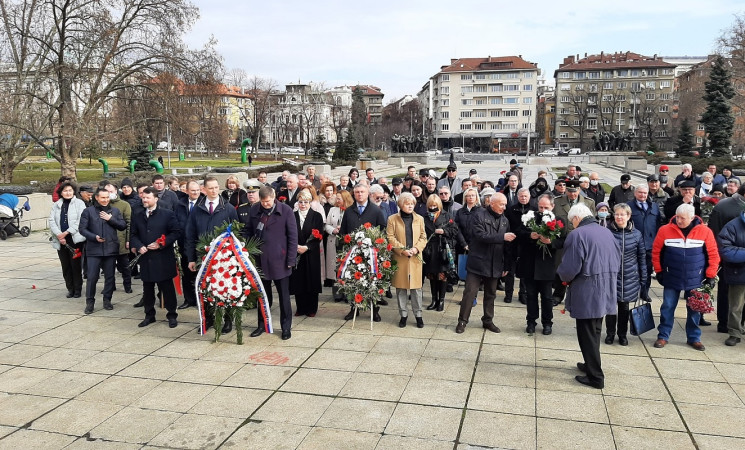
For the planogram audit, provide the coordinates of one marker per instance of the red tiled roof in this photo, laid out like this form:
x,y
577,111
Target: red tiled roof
x,y
624,60
488,63
369,90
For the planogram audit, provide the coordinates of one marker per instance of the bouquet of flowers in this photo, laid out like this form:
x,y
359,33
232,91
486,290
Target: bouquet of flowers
x,y
314,236
227,281
544,223
76,253
366,266
707,206
160,241
702,299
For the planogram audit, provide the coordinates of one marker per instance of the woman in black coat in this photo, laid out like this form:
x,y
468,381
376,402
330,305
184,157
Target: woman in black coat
x,y
441,230
233,192
417,190
633,271
305,281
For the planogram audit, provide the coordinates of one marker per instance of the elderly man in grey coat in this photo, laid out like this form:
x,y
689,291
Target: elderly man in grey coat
x,y
590,267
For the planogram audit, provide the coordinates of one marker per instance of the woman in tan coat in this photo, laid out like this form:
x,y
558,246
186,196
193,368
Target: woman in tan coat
x,y
407,236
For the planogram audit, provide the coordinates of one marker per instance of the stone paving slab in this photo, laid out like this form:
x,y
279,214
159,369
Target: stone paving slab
x,y
68,380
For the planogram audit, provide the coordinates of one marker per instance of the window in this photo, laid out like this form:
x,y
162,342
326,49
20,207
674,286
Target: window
x,y
479,113
445,77
664,84
664,108
512,87
576,122
511,101
651,85
494,76
607,74
479,88
527,113
527,74
466,76
564,99
620,121
700,127
564,87
495,100
662,133
621,85
623,73
593,87
466,89
663,121
224,111
635,72
607,110
512,75
580,75
481,101
465,126
564,111
445,115
495,88
594,75
479,126
479,76
667,71
563,135
565,75
564,123
699,140
527,87
665,96
510,113
526,126
650,96
578,99
466,102
527,100
621,97
652,72
509,126
445,90
636,86
496,126
592,124
494,113
607,98
608,85
606,122
592,98
446,102
579,87
445,127
465,114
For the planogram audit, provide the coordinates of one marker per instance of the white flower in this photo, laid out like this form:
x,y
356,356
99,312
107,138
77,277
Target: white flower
x,y
548,216
527,217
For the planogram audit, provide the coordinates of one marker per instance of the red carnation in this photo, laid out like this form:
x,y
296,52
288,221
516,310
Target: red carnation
x,y
386,264
161,240
358,298
451,221
317,234
357,275
367,225
379,275
220,304
560,224
379,240
282,198
357,259
389,247
221,284
380,291
347,239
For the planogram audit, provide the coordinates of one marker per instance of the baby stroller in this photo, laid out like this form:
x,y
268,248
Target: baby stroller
x,y
11,212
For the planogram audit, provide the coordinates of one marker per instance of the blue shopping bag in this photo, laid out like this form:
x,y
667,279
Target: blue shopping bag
x,y
462,260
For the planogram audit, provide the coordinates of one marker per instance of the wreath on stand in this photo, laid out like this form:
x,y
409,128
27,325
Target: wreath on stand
x,y
366,267
227,281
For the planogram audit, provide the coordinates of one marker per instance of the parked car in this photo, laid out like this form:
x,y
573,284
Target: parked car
x,y
575,151
549,152
293,150
457,150
433,152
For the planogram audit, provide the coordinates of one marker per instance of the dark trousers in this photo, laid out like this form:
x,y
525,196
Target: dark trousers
x,y
722,304
644,293
509,284
588,337
187,282
169,297
542,288
306,303
285,306
559,289
437,287
72,270
95,264
621,320
473,282
122,265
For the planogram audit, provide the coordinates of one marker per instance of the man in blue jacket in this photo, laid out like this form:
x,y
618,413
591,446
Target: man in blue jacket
x,y
99,224
647,218
732,239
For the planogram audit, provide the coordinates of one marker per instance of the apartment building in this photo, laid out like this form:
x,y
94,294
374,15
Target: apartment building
x,y
621,94
485,104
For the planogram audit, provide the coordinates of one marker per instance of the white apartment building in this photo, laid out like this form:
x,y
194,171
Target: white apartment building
x,y
487,104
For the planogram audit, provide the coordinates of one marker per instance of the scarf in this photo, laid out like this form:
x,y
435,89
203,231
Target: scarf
x,y
302,215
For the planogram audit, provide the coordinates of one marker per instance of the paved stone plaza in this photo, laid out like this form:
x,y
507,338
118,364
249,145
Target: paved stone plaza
x,y
73,381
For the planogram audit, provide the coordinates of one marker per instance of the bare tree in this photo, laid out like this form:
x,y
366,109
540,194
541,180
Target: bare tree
x,y
258,118
576,120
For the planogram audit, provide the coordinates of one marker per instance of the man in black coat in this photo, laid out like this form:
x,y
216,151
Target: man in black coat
x,y
489,251
99,224
687,189
208,213
158,261
623,193
360,213
183,210
167,198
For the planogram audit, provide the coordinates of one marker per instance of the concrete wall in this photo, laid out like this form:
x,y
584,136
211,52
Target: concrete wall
x,y
38,217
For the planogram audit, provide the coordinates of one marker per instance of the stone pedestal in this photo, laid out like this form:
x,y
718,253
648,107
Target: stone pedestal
x,y
420,158
321,168
635,164
396,161
365,164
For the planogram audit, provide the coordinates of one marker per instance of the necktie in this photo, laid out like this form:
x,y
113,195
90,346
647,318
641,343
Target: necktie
x,y
643,206
147,213
361,208
191,206
211,208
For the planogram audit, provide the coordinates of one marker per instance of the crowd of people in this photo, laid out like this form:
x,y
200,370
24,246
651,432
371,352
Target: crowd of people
x,y
602,259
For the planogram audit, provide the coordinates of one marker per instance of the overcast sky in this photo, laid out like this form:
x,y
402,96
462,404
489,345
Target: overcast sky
x,y
398,45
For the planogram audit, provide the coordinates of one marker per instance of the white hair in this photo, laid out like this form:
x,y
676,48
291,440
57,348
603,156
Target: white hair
x,y
580,211
376,189
687,166
642,186
685,210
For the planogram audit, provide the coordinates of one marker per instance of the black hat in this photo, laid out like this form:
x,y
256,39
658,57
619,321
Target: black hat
x,y
472,172
560,180
513,161
687,184
396,180
572,185
423,172
653,177
717,188
86,188
406,178
452,166
625,177
127,182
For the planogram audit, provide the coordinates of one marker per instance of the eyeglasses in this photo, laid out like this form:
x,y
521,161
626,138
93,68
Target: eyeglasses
x,y
452,170
444,193
303,202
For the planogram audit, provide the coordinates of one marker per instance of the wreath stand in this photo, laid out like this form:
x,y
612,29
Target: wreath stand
x,y
354,317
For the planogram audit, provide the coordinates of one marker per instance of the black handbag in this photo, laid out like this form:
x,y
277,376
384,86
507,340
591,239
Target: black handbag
x,y
641,319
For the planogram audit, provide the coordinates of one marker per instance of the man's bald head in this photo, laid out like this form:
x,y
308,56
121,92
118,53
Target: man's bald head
x,y
498,203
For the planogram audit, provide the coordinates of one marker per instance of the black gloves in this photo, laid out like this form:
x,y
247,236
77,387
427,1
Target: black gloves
x,y
711,282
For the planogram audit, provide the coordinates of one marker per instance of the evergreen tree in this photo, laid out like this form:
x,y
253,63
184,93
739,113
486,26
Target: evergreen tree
x,y
685,139
142,154
319,147
340,151
359,117
346,149
718,120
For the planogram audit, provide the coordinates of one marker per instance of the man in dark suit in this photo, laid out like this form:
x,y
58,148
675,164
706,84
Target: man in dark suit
x,y
289,197
208,213
183,210
362,212
647,218
158,261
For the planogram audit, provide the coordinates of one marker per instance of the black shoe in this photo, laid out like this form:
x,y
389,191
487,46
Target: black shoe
x,y
227,327
147,322
609,339
419,322
449,288
732,341
257,332
388,294
582,367
128,290
623,340
139,304
530,329
172,323
69,294
522,299
491,327
184,305
136,277
547,330
586,381
441,305
508,299
382,302
432,305
107,305
286,335
350,314
88,308
402,322
703,322
557,301
376,315
77,295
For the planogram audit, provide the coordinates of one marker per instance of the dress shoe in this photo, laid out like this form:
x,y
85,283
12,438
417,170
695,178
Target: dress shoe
x,y
441,305
257,332
432,305
69,294
107,305
500,286
77,295
88,308
227,327
388,294
350,314
382,302
522,299
547,330
491,327
311,315
419,322
298,314
402,322
146,322
609,339
136,277
286,335
184,305
659,343
139,304
697,345
732,341
376,315
530,329
508,299
172,323
582,367
460,328
128,290
587,382
623,340
703,322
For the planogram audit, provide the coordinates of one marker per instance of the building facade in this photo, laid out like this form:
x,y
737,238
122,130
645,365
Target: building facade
x,y
483,104
614,101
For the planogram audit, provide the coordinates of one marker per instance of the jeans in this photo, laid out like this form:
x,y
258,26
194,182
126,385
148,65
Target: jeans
x,y
670,299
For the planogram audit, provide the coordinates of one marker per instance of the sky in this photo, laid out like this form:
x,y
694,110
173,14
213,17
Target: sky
x,y
399,45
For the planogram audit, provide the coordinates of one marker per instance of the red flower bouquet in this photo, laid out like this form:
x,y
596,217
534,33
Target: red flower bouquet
x,y
545,224
702,299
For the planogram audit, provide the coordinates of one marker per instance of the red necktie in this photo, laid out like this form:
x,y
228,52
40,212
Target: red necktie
x,y
211,209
